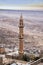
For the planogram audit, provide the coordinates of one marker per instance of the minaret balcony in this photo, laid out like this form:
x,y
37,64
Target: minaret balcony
x,y
20,37
21,26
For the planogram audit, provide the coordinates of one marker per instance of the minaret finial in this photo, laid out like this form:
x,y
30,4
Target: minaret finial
x,y
21,16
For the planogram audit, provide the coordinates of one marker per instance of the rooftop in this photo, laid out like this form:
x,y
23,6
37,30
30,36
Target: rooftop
x,y
40,64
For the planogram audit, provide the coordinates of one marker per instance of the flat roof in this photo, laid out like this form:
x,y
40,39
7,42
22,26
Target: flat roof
x,y
40,64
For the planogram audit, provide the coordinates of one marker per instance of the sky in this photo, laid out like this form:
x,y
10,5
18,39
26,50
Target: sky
x,y
21,4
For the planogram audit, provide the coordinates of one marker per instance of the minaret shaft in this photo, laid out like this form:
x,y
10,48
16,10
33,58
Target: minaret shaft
x,y
21,36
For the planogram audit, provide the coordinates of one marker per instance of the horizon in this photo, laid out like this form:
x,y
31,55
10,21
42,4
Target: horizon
x,y
18,10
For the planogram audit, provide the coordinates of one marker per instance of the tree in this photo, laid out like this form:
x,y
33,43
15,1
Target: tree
x,y
25,58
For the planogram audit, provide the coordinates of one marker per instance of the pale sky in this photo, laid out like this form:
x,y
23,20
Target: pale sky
x,y
22,4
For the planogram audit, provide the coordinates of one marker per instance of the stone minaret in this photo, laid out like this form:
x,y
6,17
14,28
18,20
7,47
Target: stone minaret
x,y
21,26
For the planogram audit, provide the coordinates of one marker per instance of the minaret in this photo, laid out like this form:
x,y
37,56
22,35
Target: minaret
x,y
21,26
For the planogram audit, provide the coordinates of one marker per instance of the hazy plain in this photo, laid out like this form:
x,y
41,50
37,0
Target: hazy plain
x,y
33,26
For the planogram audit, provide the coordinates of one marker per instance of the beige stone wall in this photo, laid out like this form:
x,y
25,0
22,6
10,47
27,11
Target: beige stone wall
x,y
2,50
